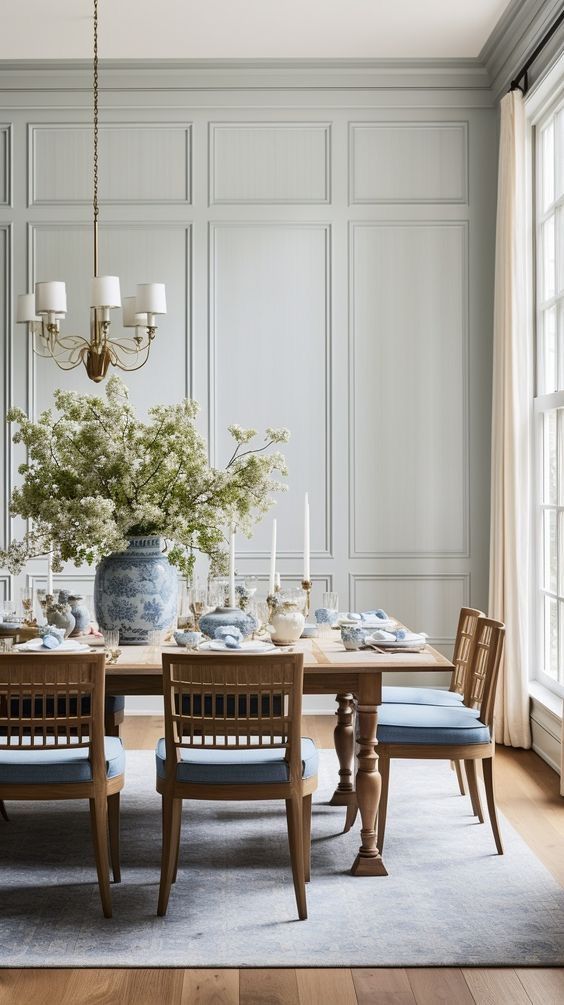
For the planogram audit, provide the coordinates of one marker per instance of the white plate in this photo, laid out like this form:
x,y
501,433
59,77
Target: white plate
x,y
36,645
368,625
246,647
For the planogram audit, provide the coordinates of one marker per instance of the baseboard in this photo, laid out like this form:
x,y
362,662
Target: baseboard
x,y
546,725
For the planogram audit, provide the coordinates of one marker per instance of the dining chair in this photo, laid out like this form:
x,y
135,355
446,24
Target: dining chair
x,y
398,695
450,733
51,748
233,732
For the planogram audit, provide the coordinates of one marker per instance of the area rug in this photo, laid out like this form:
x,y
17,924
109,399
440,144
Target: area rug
x,y
448,899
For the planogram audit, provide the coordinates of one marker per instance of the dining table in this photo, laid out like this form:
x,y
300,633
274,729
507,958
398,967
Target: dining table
x,y
355,678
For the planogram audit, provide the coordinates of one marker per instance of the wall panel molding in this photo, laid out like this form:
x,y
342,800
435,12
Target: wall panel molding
x,y
6,266
6,162
387,447
271,165
299,405
447,582
434,170
60,153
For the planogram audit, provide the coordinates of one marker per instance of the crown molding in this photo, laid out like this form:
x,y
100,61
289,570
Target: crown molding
x,y
519,29
252,74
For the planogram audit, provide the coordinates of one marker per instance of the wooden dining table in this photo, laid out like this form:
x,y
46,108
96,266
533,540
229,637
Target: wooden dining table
x,y
356,680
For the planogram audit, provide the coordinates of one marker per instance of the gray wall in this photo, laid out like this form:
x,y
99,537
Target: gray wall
x,y
326,236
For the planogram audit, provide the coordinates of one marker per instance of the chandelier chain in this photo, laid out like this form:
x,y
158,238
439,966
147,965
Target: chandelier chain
x,y
95,199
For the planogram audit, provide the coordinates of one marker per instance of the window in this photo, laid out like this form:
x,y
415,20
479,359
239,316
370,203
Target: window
x,y
549,400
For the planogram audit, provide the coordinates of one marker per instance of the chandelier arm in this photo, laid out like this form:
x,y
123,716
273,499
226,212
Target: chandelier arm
x,y
121,365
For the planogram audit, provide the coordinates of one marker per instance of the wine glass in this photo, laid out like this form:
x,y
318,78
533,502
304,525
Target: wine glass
x,y
198,602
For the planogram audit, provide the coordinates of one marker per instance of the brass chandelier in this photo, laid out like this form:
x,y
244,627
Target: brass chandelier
x,y
43,310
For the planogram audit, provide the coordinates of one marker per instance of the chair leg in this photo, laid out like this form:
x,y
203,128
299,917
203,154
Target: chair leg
x,y
457,765
3,812
384,768
487,767
352,813
472,777
172,817
99,828
113,822
294,819
306,810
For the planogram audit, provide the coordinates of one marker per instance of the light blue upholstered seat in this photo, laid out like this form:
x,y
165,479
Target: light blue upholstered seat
x,y
236,767
59,764
420,696
430,724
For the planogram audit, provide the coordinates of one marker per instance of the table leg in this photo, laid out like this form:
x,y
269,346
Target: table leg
x,y
368,862
344,746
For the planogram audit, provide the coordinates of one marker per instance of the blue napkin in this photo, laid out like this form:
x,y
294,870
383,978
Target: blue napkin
x,y
230,635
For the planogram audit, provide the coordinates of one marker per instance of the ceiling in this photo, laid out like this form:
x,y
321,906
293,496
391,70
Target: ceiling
x,y
239,29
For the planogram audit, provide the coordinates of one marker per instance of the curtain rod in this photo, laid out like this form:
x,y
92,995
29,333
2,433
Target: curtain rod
x,y
536,52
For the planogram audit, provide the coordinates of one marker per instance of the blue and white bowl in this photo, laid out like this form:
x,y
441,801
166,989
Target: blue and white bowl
x,y
326,616
352,637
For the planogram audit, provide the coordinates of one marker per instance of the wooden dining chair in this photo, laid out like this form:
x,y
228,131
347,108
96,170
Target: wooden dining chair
x,y
397,695
232,732
50,748
443,733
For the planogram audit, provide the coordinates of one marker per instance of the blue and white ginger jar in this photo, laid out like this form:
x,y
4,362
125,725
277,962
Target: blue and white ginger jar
x,y
135,591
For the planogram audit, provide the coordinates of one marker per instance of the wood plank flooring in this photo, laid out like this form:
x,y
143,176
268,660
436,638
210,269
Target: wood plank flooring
x,y
528,795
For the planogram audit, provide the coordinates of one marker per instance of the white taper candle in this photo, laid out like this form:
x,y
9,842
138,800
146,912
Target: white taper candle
x,y
49,574
232,570
272,559
306,539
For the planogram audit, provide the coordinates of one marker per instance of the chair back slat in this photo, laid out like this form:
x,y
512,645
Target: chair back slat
x,y
233,702
42,703
463,647
484,669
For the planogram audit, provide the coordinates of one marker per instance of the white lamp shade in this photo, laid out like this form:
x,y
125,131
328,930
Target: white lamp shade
x,y
25,310
105,292
151,298
131,318
50,298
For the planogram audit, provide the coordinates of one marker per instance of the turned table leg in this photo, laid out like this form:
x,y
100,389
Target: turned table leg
x,y
368,862
344,746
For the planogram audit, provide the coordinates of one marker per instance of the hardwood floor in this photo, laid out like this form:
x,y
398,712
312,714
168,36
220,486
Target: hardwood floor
x,y
528,795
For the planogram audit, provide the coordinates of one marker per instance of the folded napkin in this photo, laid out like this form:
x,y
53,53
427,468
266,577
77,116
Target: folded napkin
x,y
230,635
400,635
369,615
52,637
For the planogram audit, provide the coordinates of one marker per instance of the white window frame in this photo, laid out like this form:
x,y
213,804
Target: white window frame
x,y
547,98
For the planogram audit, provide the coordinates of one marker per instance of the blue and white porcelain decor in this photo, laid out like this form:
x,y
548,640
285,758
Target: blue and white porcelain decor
x,y
352,637
225,617
80,613
326,616
135,591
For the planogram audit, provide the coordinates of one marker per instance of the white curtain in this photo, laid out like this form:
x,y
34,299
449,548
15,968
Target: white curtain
x,y
511,468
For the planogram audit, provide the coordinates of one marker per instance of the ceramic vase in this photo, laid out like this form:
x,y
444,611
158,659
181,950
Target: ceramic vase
x,y
222,617
135,591
80,613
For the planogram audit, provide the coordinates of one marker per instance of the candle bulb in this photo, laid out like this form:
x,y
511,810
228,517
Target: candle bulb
x,y
307,569
232,570
49,574
272,559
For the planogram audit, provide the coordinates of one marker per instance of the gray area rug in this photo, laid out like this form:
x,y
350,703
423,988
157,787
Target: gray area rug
x,y
449,899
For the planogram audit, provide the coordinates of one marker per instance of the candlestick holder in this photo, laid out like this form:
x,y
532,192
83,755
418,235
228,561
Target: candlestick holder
x,y
306,587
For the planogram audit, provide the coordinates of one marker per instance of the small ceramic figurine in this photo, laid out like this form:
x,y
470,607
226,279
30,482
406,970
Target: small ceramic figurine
x,y
59,614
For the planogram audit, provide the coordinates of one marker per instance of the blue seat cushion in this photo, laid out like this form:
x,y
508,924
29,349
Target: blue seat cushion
x,y
113,703
44,766
430,724
420,696
236,767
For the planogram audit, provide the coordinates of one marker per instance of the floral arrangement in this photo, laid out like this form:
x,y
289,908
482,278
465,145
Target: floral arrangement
x,y
96,475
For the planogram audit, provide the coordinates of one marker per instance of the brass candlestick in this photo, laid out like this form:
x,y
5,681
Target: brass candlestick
x,y
306,587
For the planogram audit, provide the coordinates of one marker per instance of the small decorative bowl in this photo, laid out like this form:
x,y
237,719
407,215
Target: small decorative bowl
x,y
352,637
189,639
326,616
